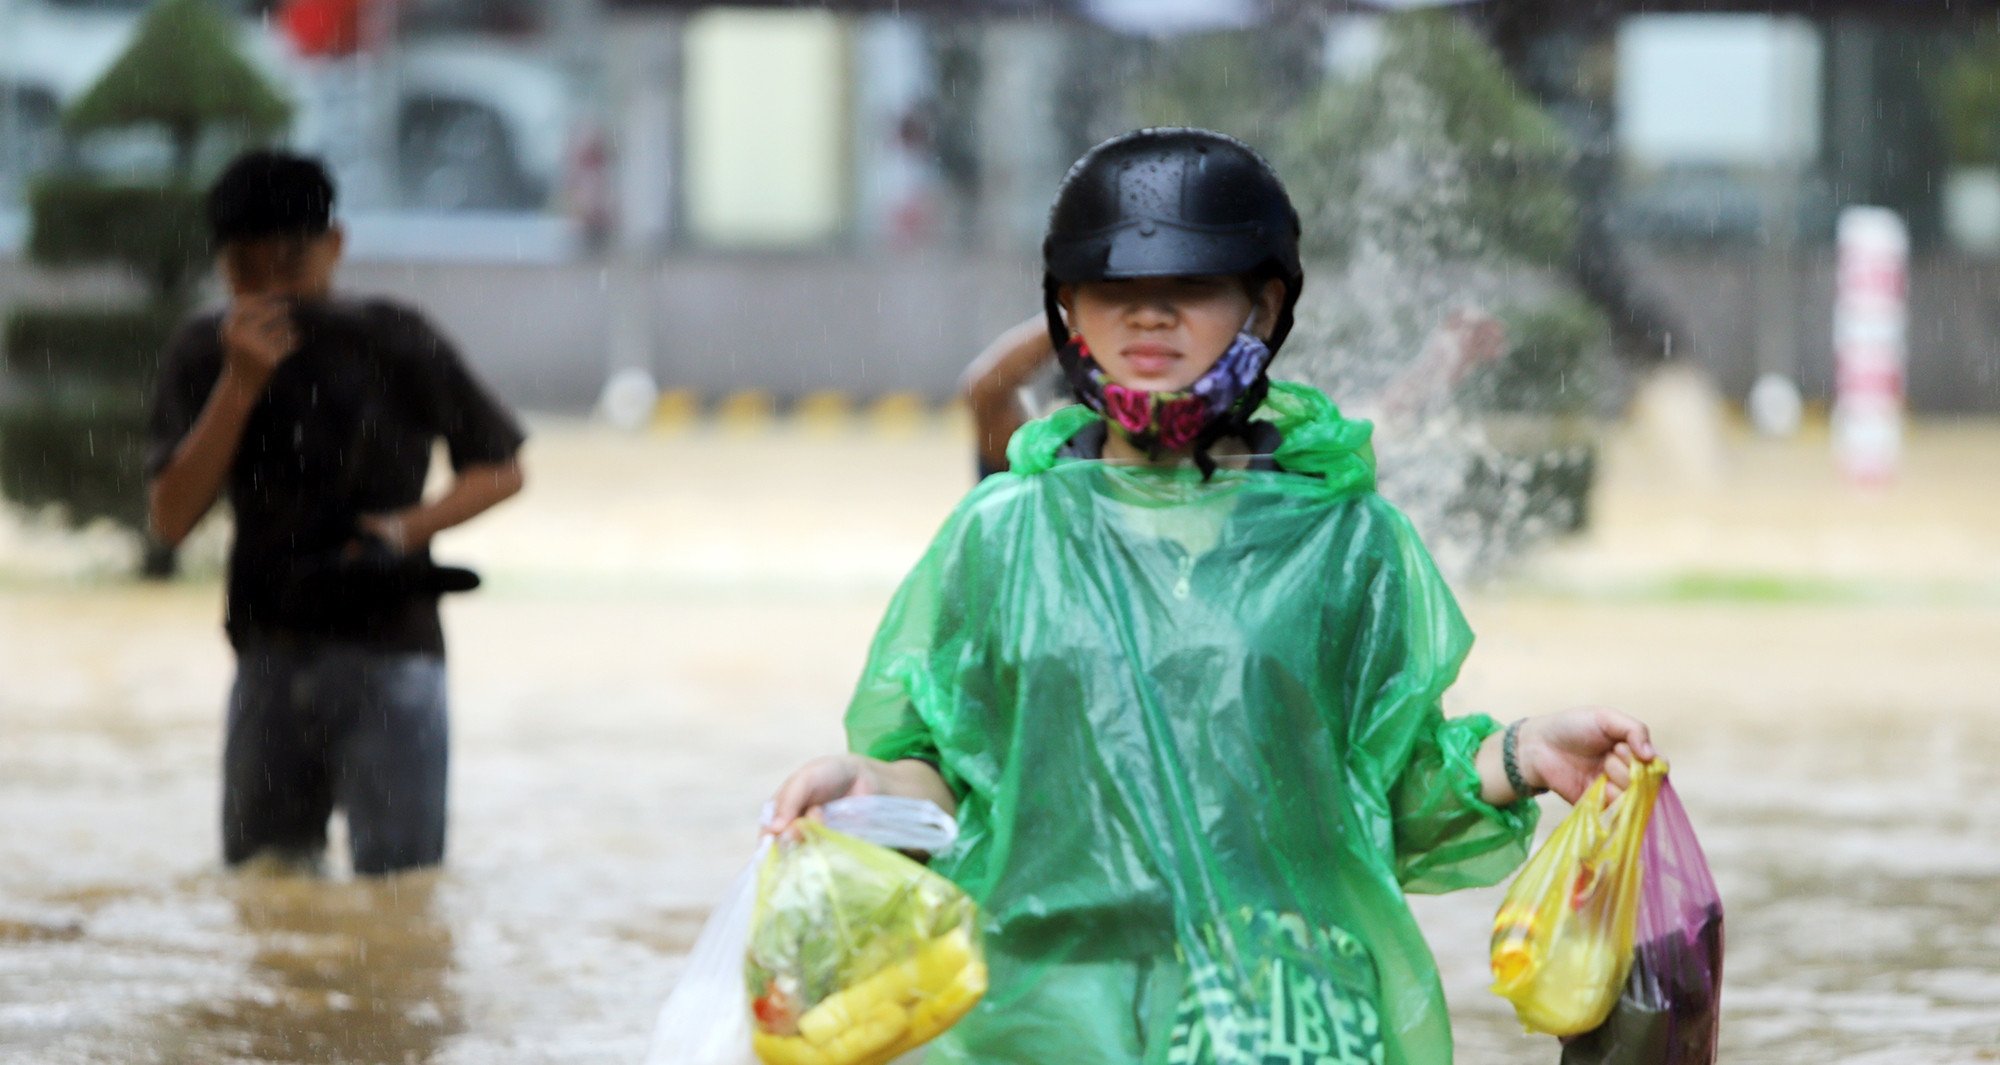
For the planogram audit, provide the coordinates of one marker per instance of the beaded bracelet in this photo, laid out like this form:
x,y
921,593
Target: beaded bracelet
x,y
1510,762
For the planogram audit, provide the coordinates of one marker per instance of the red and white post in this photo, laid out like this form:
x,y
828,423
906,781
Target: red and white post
x,y
1870,343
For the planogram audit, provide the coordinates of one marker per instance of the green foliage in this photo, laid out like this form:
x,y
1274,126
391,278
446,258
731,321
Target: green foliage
x,y
159,232
109,346
73,430
1549,366
1428,184
1436,164
183,73
1435,152
1437,142
1968,101
1221,81
80,448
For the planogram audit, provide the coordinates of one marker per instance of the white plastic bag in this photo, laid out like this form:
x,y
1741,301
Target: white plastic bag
x,y
896,823
705,1020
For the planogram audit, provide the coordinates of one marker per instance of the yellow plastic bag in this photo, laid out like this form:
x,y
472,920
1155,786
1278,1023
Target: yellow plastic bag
x,y
1562,941
856,953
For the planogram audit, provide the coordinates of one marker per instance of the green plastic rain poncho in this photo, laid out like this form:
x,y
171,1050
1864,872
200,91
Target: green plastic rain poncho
x,y
1195,731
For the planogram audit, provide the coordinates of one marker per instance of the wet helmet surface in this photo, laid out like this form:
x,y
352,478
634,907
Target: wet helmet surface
x,y
1171,203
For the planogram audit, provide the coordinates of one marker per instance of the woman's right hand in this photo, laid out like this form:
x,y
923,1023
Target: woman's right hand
x,y
821,781
841,776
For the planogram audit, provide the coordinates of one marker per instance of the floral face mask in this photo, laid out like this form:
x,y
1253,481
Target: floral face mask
x,y
1158,422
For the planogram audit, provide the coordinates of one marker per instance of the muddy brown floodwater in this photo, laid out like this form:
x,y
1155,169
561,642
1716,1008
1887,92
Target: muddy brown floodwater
x,y
674,621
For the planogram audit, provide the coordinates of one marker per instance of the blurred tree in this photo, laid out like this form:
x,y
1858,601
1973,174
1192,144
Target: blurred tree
x,y
1968,100
1435,189
1564,56
1436,202
1223,80
184,74
73,427
1434,181
1436,143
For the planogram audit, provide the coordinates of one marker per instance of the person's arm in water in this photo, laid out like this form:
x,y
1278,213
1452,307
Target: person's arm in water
x,y
992,387
475,490
257,335
839,776
1564,752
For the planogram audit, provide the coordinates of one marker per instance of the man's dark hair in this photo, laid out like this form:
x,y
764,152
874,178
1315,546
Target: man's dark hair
x,y
270,194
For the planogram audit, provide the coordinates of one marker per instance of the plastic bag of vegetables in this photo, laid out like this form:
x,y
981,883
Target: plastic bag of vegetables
x,y
858,954
837,951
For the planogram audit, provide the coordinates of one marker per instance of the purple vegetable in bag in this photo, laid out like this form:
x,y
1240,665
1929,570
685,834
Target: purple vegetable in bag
x,y
1670,1011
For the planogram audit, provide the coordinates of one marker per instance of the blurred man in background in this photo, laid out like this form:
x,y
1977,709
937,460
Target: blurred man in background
x,y
318,416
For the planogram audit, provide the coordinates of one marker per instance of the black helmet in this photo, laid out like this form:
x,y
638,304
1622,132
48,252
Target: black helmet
x,y
1170,203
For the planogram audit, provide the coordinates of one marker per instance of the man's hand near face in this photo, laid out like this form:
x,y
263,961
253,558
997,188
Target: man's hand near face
x,y
257,335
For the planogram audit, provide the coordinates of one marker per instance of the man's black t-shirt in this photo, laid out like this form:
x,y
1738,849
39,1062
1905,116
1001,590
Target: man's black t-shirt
x,y
344,428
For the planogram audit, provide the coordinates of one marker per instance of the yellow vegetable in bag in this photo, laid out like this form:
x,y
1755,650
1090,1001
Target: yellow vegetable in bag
x,y
1562,941
857,954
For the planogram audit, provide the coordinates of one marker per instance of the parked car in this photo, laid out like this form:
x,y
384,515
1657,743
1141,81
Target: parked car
x,y
475,121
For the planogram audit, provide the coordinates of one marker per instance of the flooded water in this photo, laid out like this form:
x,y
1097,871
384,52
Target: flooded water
x,y
671,623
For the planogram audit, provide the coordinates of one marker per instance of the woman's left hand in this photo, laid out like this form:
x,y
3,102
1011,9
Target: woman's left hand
x,y
1564,752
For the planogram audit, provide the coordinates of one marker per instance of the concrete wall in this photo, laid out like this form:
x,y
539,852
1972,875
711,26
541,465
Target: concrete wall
x,y
790,325
793,324
867,326
1954,332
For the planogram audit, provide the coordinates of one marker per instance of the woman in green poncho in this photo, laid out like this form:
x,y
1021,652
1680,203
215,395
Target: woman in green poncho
x,y
1179,673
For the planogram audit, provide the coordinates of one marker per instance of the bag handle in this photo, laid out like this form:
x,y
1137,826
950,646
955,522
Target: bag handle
x,y
890,821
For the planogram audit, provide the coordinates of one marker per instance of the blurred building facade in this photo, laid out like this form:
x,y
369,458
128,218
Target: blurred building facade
x,y
850,196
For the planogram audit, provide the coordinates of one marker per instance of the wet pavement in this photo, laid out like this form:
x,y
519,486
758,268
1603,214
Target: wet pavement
x,y
673,620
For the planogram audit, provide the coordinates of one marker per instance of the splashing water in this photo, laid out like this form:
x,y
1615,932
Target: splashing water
x,y
1434,204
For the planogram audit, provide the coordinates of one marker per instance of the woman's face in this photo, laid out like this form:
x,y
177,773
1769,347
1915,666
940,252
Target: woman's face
x,y
1160,334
